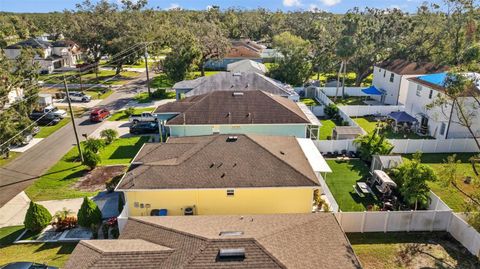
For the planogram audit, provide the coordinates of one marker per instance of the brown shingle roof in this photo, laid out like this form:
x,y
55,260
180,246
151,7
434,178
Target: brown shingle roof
x,y
214,162
405,67
270,241
225,107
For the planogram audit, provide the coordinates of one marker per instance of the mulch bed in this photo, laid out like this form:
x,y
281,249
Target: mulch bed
x,y
95,180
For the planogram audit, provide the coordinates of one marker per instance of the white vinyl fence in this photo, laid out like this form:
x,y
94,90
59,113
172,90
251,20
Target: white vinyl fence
x,y
465,234
358,111
350,91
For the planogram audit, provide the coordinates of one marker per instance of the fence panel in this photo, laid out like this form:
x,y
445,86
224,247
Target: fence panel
x,y
358,111
351,91
465,234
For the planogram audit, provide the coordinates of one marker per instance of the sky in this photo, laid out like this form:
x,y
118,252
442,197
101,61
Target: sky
x,y
335,6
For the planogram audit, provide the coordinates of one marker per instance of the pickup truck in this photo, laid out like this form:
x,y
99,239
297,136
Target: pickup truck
x,y
52,112
145,116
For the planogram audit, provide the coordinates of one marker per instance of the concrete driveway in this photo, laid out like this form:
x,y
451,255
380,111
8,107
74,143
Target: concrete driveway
x,y
92,103
122,127
28,146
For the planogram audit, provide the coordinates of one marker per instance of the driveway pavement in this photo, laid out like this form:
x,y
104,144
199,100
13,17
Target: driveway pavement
x,y
122,127
28,146
21,172
90,104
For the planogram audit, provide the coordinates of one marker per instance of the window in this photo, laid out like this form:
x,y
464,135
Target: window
x,y
230,192
442,128
392,76
419,90
430,94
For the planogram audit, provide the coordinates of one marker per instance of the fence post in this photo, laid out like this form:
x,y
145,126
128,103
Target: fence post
x,y
363,221
421,145
450,146
436,144
465,140
449,223
386,221
406,146
410,221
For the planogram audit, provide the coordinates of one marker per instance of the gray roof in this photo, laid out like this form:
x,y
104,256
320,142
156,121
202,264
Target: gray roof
x,y
216,161
31,43
270,241
247,65
226,81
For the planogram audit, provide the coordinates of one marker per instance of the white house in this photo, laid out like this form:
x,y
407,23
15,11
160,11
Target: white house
x,y
438,122
49,56
390,78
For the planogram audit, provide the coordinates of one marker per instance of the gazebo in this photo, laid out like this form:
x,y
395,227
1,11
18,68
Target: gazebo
x,y
402,120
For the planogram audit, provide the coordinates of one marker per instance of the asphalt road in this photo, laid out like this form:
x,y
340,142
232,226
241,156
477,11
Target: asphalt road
x,y
21,172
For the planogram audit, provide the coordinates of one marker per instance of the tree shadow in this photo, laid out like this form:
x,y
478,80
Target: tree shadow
x,y
10,238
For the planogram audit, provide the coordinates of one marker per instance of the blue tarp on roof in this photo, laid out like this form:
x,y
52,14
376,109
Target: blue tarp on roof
x,y
437,79
372,91
402,116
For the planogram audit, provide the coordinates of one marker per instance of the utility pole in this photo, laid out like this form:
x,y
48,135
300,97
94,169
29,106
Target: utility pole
x,y
146,69
73,119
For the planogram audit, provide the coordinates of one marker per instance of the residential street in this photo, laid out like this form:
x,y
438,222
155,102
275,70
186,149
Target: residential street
x,y
20,173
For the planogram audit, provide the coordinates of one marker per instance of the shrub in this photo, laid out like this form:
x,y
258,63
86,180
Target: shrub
x,y
129,111
109,135
91,159
105,229
114,232
112,183
372,144
331,111
37,217
63,220
93,144
89,214
317,199
120,205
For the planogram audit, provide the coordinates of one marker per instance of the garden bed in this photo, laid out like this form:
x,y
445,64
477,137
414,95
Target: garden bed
x,y
95,180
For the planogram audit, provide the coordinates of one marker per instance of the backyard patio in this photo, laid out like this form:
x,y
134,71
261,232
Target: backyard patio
x,y
369,124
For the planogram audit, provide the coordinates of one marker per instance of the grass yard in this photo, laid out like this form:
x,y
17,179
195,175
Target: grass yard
x,y
57,183
326,129
309,101
12,156
121,116
350,101
369,124
411,250
90,78
144,98
45,131
53,254
450,195
161,81
197,74
340,182
99,93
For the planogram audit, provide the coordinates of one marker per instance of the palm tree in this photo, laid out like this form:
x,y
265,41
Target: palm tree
x,y
344,50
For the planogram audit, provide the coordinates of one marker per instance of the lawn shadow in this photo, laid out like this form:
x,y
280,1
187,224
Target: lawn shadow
x,y
64,248
75,175
10,238
59,171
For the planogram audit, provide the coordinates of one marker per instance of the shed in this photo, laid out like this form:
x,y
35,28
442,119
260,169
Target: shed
x,y
45,99
346,132
382,162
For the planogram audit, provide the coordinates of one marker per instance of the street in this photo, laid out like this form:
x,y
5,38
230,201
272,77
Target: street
x,y
21,172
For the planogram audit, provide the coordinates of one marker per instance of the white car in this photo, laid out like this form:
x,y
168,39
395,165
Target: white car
x,y
79,97
60,113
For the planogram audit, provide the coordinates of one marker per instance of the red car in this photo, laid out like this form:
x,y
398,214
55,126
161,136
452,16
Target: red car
x,y
99,114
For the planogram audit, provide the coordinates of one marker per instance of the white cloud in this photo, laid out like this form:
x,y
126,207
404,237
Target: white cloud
x,y
173,6
313,8
292,3
330,3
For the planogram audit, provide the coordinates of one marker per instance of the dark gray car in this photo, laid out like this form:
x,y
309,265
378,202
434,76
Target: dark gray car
x,y
26,265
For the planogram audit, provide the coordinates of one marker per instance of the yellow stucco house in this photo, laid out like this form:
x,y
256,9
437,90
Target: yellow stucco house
x,y
220,175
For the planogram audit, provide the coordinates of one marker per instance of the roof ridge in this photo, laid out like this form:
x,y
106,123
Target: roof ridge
x,y
277,261
274,98
168,229
289,165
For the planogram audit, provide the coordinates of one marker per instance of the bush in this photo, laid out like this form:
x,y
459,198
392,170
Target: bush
x,y
109,135
105,229
93,144
129,111
89,214
120,205
114,232
91,159
37,217
331,111
112,183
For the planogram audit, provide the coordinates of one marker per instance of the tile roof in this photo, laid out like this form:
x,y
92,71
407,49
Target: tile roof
x,y
243,107
270,241
214,162
405,67
227,81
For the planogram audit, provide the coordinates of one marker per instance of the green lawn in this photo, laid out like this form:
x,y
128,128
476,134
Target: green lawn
x,y
45,131
53,254
197,74
411,250
57,183
99,93
12,156
161,81
340,182
90,78
450,195
144,98
351,101
121,116
309,101
326,129
369,124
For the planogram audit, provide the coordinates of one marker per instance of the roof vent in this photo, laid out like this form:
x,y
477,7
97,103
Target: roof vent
x,y
237,93
281,152
237,74
231,233
231,254
232,139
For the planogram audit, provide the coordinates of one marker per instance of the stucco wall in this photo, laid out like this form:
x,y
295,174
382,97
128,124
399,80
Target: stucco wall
x,y
381,80
216,201
298,130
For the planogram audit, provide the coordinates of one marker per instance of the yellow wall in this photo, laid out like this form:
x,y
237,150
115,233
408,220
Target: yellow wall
x,y
216,202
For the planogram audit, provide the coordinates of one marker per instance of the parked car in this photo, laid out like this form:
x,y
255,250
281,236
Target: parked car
x,y
79,97
60,113
144,117
99,114
48,119
26,265
144,128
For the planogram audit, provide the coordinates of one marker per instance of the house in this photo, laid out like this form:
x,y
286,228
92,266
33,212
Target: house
x,y
390,79
300,241
226,81
346,132
441,123
238,112
243,49
223,175
247,66
49,55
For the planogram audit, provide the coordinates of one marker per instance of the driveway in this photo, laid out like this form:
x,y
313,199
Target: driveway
x,y
32,143
122,127
90,104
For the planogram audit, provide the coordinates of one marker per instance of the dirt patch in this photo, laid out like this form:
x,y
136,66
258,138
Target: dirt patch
x,y
95,180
